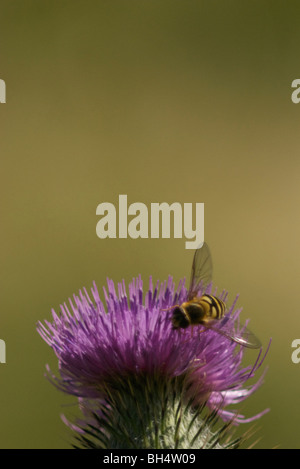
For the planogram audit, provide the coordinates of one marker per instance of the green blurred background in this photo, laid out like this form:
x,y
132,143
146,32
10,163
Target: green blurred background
x,y
186,101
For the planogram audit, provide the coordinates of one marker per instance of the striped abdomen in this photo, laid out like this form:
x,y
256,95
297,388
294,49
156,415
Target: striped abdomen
x,y
212,306
198,311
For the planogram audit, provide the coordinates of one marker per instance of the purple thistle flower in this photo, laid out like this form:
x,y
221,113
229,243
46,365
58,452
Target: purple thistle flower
x,y
99,349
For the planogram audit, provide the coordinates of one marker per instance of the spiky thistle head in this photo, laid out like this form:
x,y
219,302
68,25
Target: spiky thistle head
x,y
140,383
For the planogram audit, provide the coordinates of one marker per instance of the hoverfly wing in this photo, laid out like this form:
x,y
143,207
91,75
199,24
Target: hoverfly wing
x,y
242,336
201,270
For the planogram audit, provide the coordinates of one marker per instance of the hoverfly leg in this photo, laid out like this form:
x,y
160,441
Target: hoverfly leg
x,y
171,307
190,336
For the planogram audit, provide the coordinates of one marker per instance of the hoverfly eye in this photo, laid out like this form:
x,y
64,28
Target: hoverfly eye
x,y
179,319
177,314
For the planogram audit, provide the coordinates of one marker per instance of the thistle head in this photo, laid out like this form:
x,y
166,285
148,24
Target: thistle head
x,y
140,382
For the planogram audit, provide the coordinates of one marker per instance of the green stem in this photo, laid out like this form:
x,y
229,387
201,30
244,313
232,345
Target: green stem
x,y
153,414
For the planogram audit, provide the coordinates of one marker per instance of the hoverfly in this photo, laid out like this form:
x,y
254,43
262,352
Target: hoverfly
x,y
207,310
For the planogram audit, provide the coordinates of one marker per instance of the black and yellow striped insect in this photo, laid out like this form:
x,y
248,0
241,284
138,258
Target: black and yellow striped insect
x,y
208,310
